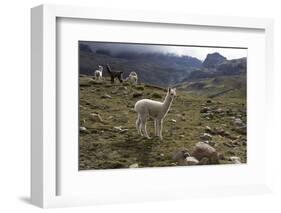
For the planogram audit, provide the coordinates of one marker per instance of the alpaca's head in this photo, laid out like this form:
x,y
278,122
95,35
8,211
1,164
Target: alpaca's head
x,y
171,92
100,67
133,74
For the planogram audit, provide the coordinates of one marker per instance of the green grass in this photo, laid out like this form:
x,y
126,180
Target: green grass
x,y
106,147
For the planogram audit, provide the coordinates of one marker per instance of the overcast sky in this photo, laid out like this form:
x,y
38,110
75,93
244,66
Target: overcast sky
x,y
198,52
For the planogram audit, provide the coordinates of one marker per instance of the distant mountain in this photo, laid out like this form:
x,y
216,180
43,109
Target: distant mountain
x,y
227,77
186,72
213,59
224,68
232,67
154,68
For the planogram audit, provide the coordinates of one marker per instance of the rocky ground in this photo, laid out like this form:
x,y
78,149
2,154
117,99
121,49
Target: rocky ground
x,y
108,137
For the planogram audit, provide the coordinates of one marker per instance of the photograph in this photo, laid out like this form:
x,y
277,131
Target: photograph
x,y
161,105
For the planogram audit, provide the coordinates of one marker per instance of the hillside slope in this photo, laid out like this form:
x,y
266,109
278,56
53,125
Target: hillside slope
x,y
110,140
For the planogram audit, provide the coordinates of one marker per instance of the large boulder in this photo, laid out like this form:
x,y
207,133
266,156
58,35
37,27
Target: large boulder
x,y
190,161
180,156
203,150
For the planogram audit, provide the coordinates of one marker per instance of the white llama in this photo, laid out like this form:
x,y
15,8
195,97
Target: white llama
x,y
98,73
157,110
132,78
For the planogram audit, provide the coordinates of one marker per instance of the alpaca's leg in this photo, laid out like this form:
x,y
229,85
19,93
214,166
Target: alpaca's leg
x,y
142,119
138,123
145,130
160,130
112,79
157,130
120,79
157,127
143,126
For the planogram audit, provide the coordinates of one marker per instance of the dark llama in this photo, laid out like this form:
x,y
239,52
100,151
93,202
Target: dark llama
x,y
115,74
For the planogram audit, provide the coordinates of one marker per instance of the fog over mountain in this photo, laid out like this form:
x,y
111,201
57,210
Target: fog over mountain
x,y
193,51
160,65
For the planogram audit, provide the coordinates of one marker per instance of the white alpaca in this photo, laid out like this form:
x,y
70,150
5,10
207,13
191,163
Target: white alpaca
x,y
98,73
157,110
132,78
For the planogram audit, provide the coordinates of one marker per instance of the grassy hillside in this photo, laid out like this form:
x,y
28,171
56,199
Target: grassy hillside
x,y
111,140
231,86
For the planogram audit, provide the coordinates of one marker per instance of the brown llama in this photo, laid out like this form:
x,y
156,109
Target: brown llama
x,y
114,74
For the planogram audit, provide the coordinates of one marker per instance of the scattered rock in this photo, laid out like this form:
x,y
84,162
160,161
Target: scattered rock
x,y
209,101
235,160
226,134
173,121
238,122
82,107
212,143
209,115
183,118
96,118
241,130
219,131
205,109
162,155
106,96
119,128
219,110
209,130
235,142
180,156
189,161
133,166
206,136
202,150
228,145
84,129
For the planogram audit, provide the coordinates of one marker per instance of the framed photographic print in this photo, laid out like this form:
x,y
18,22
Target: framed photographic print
x,y
129,106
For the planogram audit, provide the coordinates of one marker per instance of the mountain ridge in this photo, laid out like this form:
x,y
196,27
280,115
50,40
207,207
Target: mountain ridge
x,y
159,68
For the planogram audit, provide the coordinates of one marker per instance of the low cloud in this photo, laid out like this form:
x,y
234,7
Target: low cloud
x,y
198,52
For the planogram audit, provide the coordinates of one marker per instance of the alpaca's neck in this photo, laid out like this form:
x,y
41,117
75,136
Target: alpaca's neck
x,y
167,103
108,69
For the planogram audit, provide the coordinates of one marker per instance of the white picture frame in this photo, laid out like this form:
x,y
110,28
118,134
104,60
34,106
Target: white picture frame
x,y
44,154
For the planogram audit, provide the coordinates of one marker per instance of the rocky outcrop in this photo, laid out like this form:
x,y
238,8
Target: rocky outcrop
x,y
213,59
